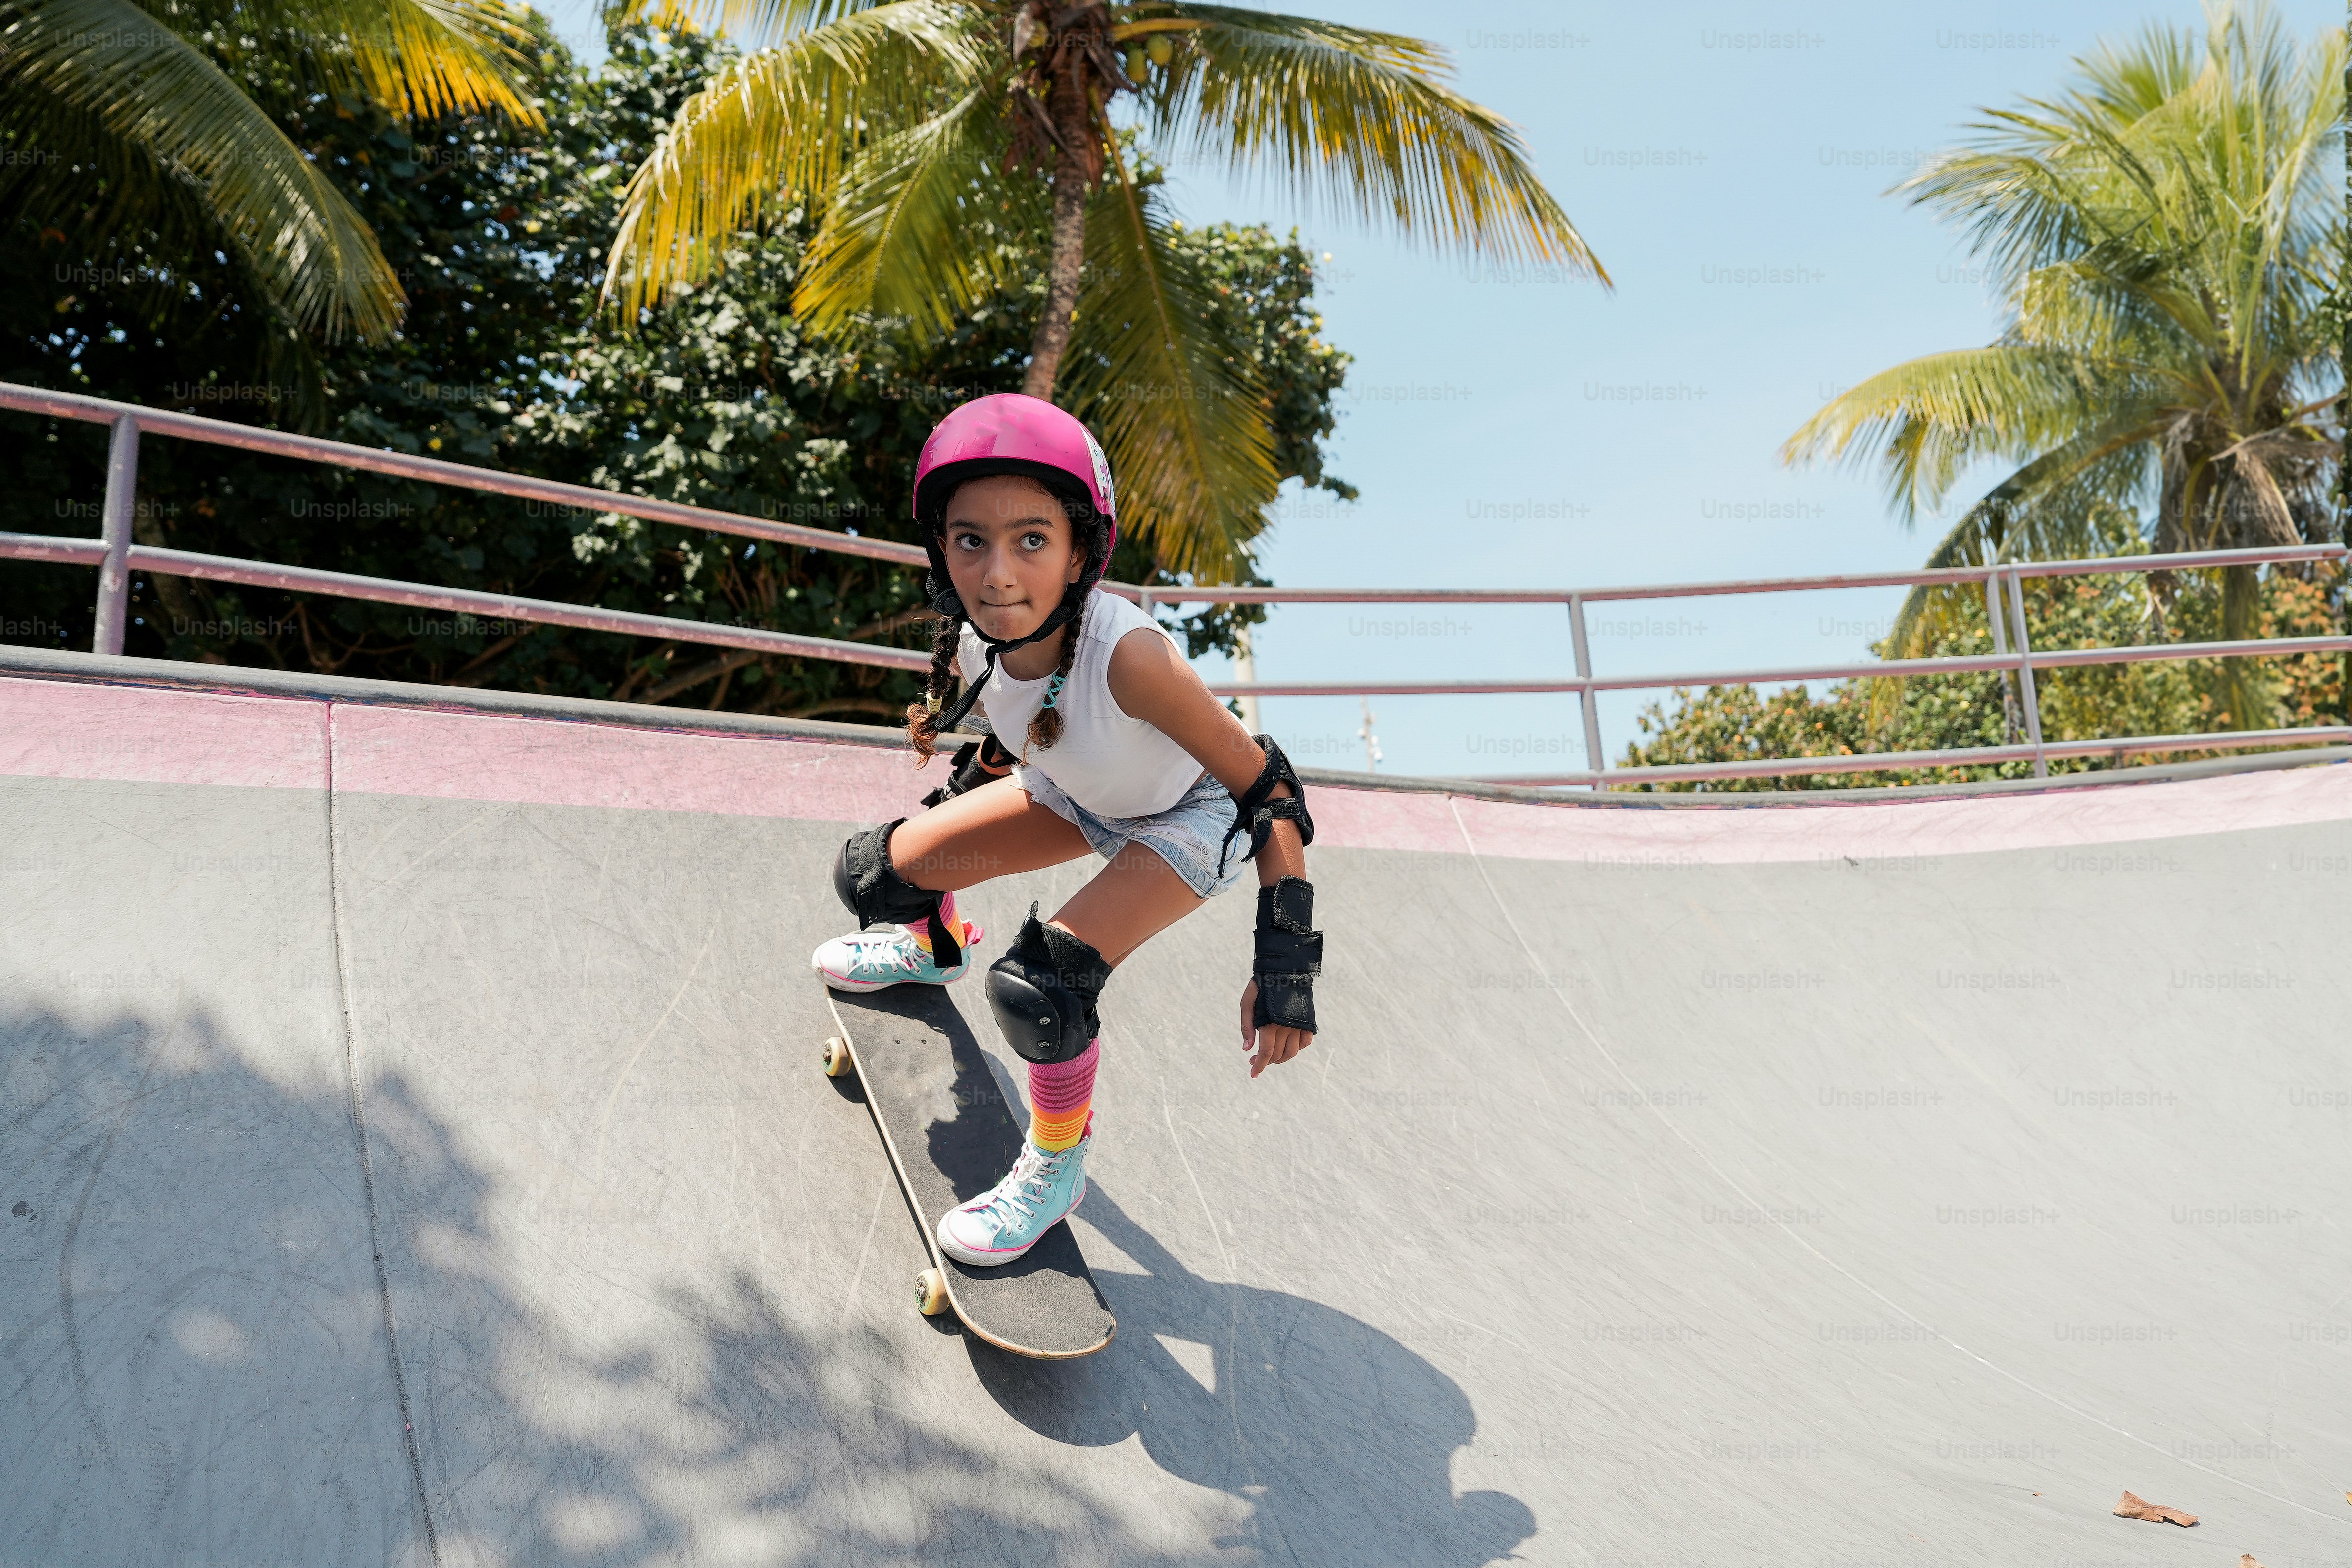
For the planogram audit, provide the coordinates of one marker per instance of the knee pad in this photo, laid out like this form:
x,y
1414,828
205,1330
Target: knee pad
x,y
1043,992
871,887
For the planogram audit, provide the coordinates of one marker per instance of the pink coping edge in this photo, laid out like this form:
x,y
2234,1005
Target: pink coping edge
x,y
68,729
58,729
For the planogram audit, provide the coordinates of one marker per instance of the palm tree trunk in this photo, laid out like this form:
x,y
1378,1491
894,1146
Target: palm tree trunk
x,y
1074,175
2244,688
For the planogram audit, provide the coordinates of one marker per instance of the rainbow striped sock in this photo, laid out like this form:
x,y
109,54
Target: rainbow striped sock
x,y
1061,1100
921,930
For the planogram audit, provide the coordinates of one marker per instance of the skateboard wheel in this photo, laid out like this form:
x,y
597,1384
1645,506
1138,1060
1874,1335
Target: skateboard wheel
x,y
931,1292
837,1056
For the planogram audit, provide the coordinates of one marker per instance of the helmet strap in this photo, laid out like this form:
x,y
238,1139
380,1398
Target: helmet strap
x,y
1063,614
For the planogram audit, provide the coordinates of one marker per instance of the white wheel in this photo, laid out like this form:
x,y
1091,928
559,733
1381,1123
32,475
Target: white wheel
x,y
930,1293
835,1057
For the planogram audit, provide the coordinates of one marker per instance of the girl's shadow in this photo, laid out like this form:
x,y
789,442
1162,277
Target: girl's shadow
x,y
1339,1439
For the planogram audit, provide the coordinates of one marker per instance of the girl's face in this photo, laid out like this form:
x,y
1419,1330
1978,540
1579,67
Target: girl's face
x,y
1011,551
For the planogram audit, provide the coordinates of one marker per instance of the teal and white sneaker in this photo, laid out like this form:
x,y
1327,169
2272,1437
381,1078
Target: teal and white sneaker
x,y
871,959
1011,1217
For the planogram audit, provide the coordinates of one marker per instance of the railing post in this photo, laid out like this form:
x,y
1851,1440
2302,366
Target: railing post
x,y
2032,701
1246,667
1996,617
1593,760
114,572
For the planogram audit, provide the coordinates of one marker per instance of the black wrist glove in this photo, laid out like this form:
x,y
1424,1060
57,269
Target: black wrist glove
x,y
1289,955
976,763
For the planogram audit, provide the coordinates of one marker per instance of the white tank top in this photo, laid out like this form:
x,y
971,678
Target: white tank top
x,y
1111,764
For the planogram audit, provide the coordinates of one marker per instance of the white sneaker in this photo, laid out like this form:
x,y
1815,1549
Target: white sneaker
x,y
1014,1215
871,959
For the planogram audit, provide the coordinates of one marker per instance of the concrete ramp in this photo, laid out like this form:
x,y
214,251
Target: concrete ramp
x,y
413,1152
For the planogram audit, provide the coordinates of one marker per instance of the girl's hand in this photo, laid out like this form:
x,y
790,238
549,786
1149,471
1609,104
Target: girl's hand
x,y
1274,1043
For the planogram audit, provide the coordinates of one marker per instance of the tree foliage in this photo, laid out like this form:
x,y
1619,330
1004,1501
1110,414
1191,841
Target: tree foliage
x,y
719,399
918,130
116,116
1734,723
2164,238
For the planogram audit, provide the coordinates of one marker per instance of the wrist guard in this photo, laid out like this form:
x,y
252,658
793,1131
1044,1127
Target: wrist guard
x,y
976,763
1289,955
1256,811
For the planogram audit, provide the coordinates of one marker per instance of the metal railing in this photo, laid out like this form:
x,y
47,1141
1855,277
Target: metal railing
x,y
117,556
2022,661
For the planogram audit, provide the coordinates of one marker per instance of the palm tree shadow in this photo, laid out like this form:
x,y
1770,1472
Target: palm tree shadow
x,y
183,1321
1340,1437
189,1310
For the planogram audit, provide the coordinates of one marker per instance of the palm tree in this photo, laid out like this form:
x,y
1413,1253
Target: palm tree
x,y
2164,238
922,132
117,118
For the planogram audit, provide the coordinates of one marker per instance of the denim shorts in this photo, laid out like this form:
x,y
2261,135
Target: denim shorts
x,y
1187,835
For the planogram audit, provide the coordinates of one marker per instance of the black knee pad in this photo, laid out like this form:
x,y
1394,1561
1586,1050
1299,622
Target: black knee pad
x,y
874,891
1043,992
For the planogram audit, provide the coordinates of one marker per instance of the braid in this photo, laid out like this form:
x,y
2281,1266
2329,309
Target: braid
x,y
922,726
1046,727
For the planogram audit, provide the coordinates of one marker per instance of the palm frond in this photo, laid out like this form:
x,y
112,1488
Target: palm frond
x,y
751,23
113,200
779,127
2063,505
173,114
2049,510
1360,121
2270,471
2190,168
1931,418
418,58
1185,426
2125,82
2084,306
909,230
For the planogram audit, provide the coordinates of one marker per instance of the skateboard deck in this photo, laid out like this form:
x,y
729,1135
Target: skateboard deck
x,y
950,1136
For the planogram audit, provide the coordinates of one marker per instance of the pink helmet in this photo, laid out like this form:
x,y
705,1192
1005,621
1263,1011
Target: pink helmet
x,y
1007,433
1010,434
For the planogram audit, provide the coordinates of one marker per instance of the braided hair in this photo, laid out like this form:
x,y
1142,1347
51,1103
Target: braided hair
x,y
1046,727
923,718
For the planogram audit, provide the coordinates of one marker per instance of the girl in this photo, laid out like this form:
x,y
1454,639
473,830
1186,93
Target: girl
x,y
1121,750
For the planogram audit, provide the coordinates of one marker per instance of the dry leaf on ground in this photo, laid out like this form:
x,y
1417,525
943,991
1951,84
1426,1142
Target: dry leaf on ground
x,y
2155,1513
2246,1560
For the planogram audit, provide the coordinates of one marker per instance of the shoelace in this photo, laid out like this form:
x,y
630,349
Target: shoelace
x,y
905,951
898,948
1025,1184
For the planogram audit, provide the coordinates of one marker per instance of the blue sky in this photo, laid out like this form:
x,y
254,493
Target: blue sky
x,y
1727,165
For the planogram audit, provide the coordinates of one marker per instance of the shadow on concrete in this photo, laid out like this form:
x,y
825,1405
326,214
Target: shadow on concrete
x,y
193,1343
1339,1439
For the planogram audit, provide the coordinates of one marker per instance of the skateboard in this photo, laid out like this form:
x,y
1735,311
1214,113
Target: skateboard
x,y
950,1136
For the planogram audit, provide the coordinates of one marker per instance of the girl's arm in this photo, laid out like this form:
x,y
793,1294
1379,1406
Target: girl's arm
x,y
1150,681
